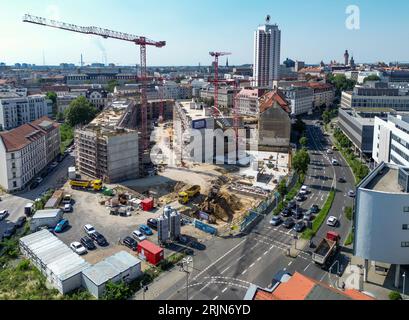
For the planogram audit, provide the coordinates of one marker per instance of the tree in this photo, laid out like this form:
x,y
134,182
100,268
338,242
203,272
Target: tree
x,y
53,97
326,117
394,295
60,116
299,126
372,77
111,85
341,83
80,111
304,142
116,291
301,161
282,188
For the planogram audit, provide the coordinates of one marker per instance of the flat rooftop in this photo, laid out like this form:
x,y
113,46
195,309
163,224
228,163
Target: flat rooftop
x,y
194,114
385,181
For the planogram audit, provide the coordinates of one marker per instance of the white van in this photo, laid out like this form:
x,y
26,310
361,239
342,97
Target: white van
x,y
304,190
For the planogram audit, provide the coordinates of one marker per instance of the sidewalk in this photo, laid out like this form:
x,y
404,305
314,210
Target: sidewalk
x,y
166,281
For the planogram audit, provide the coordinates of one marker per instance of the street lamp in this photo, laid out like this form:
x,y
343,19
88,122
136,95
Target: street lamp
x,y
186,267
404,280
145,289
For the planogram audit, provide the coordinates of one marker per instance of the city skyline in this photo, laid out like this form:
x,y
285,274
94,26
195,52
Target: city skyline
x,y
191,33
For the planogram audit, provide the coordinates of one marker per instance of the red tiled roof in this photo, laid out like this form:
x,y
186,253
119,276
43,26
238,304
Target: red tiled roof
x,y
299,287
269,99
18,138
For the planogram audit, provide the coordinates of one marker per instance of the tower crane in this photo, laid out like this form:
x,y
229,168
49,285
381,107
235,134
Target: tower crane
x,y
216,80
141,41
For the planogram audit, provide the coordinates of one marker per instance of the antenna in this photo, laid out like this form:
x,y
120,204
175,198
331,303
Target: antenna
x,y
268,19
43,59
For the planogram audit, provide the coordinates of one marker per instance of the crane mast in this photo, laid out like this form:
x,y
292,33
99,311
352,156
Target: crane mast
x,y
143,42
216,81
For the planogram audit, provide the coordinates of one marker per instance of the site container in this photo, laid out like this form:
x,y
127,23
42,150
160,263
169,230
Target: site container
x,y
147,204
153,253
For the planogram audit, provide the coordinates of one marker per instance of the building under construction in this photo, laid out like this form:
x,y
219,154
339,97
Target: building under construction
x,y
110,147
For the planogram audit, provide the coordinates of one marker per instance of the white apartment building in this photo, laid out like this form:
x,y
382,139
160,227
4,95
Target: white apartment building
x,y
16,111
391,140
267,44
25,151
247,102
301,99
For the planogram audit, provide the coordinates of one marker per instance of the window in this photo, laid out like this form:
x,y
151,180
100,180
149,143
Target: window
x,y
405,227
12,156
14,184
406,209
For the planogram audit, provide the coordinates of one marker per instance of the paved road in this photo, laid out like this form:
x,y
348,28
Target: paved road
x,y
227,268
15,203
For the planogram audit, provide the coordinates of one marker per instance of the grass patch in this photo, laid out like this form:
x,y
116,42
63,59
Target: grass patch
x,y
350,239
320,218
348,213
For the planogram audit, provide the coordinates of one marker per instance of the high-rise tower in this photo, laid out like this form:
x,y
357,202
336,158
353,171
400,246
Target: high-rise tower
x,y
267,49
346,56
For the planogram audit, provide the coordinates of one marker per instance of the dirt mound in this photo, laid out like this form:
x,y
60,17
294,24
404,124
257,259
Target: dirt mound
x,y
224,206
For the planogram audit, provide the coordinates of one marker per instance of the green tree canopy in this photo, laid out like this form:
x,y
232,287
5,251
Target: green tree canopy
x,y
80,111
301,161
116,291
304,142
372,77
341,83
282,188
111,85
52,96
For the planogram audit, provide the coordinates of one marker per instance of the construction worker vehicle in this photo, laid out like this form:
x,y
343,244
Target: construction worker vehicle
x,y
95,185
190,193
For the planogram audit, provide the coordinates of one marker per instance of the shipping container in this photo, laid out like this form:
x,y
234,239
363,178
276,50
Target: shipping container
x,y
147,204
152,253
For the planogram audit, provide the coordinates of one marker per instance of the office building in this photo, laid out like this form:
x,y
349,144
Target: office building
x,y
381,218
300,99
391,140
267,49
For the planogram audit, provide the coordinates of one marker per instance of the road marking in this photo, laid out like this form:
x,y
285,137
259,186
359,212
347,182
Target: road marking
x,y
290,263
307,267
252,265
259,259
265,253
218,260
224,290
215,298
225,270
205,286
289,231
244,272
322,278
285,269
241,257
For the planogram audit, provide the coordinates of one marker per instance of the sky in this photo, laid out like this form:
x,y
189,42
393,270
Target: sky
x,y
311,31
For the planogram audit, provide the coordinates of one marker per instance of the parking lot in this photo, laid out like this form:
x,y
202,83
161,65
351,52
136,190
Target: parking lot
x,y
88,210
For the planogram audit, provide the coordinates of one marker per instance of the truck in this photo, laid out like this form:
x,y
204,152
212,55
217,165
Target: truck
x,y
326,249
72,173
46,218
28,209
188,194
55,200
95,185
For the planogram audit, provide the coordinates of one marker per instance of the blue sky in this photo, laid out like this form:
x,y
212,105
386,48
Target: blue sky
x,y
312,30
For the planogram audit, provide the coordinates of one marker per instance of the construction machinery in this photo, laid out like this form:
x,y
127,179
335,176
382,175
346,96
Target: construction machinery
x,y
95,185
326,249
216,80
185,196
141,41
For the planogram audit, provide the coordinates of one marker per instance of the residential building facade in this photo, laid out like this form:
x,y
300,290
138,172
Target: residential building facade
x,y
300,98
247,102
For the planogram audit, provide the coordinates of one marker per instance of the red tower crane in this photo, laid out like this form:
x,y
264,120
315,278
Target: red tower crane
x,y
141,41
216,80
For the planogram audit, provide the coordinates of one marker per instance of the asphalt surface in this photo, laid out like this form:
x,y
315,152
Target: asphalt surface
x,y
15,203
227,268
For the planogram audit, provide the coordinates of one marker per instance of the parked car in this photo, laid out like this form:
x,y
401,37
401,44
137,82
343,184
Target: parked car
x,y
78,248
34,185
89,229
20,222
138,235
332,221
276,221
297,214
3,214
329,151
99,238
61,226
152,223
38,180
88,243
145,230
188,251
315,209
292,204
341,180
301,198
130,243
334,162
351,193
286,213
308,216
289,223
67,208
299,227
10,231
304,190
